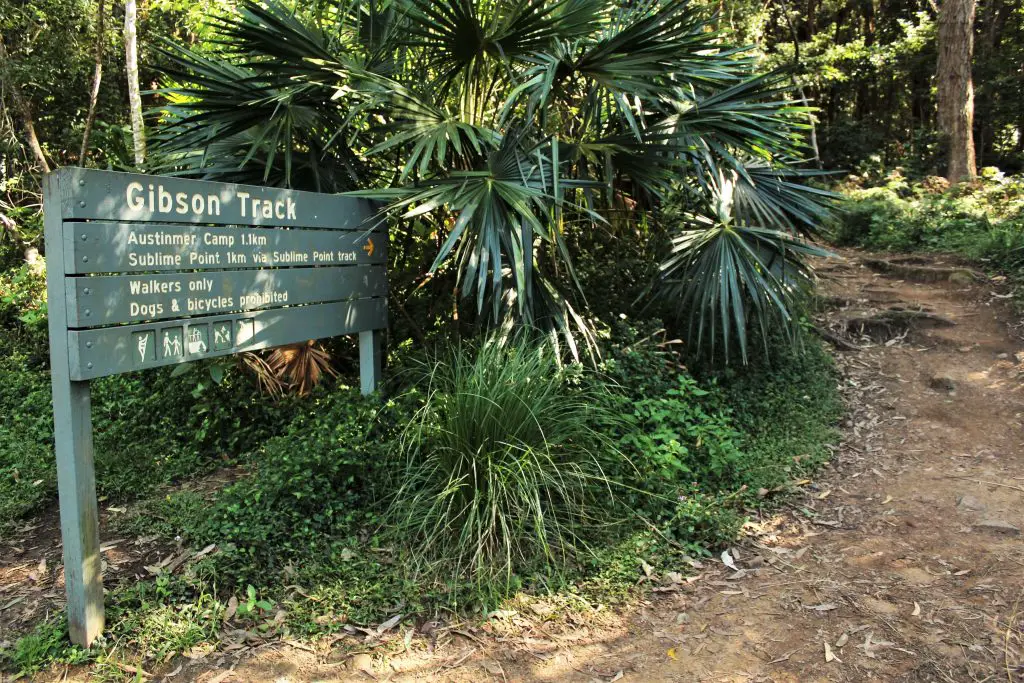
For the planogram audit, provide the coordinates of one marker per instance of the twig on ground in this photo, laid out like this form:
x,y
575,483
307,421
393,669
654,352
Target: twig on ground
x,y
987,483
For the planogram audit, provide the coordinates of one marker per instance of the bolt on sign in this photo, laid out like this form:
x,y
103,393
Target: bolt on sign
x,y
145,271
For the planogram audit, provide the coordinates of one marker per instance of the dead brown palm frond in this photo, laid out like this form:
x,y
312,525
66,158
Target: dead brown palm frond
x,y
300,367
265,375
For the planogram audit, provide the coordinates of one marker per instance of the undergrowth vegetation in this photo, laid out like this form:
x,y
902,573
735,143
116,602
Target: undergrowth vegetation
x,y
483,470
490,470
149,429
981,221
501,463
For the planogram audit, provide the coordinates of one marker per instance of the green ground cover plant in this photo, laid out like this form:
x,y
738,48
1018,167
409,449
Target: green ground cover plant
x,y
149,429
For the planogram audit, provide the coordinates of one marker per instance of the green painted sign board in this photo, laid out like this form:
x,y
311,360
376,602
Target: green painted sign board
x,y
145,271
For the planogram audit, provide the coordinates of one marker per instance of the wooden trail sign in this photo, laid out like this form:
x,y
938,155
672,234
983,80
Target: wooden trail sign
x,y
145,271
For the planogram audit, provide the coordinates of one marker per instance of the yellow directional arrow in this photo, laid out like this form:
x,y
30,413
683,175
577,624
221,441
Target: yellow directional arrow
x,y
368,247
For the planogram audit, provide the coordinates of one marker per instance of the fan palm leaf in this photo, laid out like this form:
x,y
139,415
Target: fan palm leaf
x,y
497,123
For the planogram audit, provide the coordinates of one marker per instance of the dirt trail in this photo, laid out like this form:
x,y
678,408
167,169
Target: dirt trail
x,y
904,556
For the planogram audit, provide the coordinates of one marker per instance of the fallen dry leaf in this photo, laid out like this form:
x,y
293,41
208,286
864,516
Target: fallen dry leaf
x,y
205,551
648,569
823,607
389,624
232,608
364,663
728,561
39,573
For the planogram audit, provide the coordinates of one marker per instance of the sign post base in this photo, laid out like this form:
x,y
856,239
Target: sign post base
x,y
369,361
79,511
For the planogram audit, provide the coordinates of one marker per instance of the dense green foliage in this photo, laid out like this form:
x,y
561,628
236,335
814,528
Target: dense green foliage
x,y
350,467
149,429
870,67
558,118
982,222
656,462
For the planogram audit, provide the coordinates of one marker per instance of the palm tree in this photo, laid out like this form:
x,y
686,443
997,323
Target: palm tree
x,y
505,124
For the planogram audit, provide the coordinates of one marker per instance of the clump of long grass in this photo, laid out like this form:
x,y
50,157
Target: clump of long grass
x,y
502,469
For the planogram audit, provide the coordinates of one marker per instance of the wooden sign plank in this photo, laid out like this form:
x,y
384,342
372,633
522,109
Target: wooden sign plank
x,y
88,194
114,299
113,350
100,247
309,266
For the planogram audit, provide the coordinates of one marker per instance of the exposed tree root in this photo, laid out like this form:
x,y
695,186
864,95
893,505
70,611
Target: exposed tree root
x,y
835,340
893,323
824,302
907,269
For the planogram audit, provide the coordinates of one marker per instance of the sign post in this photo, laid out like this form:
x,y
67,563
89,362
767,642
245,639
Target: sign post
x,y
146,271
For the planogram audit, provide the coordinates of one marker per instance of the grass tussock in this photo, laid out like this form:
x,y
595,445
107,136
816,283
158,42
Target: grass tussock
x,y
502,463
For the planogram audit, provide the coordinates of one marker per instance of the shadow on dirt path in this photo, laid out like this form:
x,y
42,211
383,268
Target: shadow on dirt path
x,y
903,561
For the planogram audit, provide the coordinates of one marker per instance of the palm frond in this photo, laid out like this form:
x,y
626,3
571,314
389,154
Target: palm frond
x,y
491,121
723,275
783,198
427,133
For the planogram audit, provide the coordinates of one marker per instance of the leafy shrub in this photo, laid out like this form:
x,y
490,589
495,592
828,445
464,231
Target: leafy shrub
x,y
316,482
699,445
23,296
28,477
669,426
148,428
786,404
702,522
982,221
502,468
874,213
677,440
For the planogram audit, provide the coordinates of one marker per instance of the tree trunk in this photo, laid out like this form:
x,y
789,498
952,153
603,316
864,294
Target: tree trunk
x,y
955,88
23,110
97,75
131,53
800,88
991,20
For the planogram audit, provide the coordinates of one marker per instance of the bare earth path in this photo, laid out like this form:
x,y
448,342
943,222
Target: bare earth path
x,y
903,561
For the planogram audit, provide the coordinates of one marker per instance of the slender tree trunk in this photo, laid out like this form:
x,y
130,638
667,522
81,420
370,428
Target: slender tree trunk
x,y
993,19
97,75
23,110
131,53
800,88
955,87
